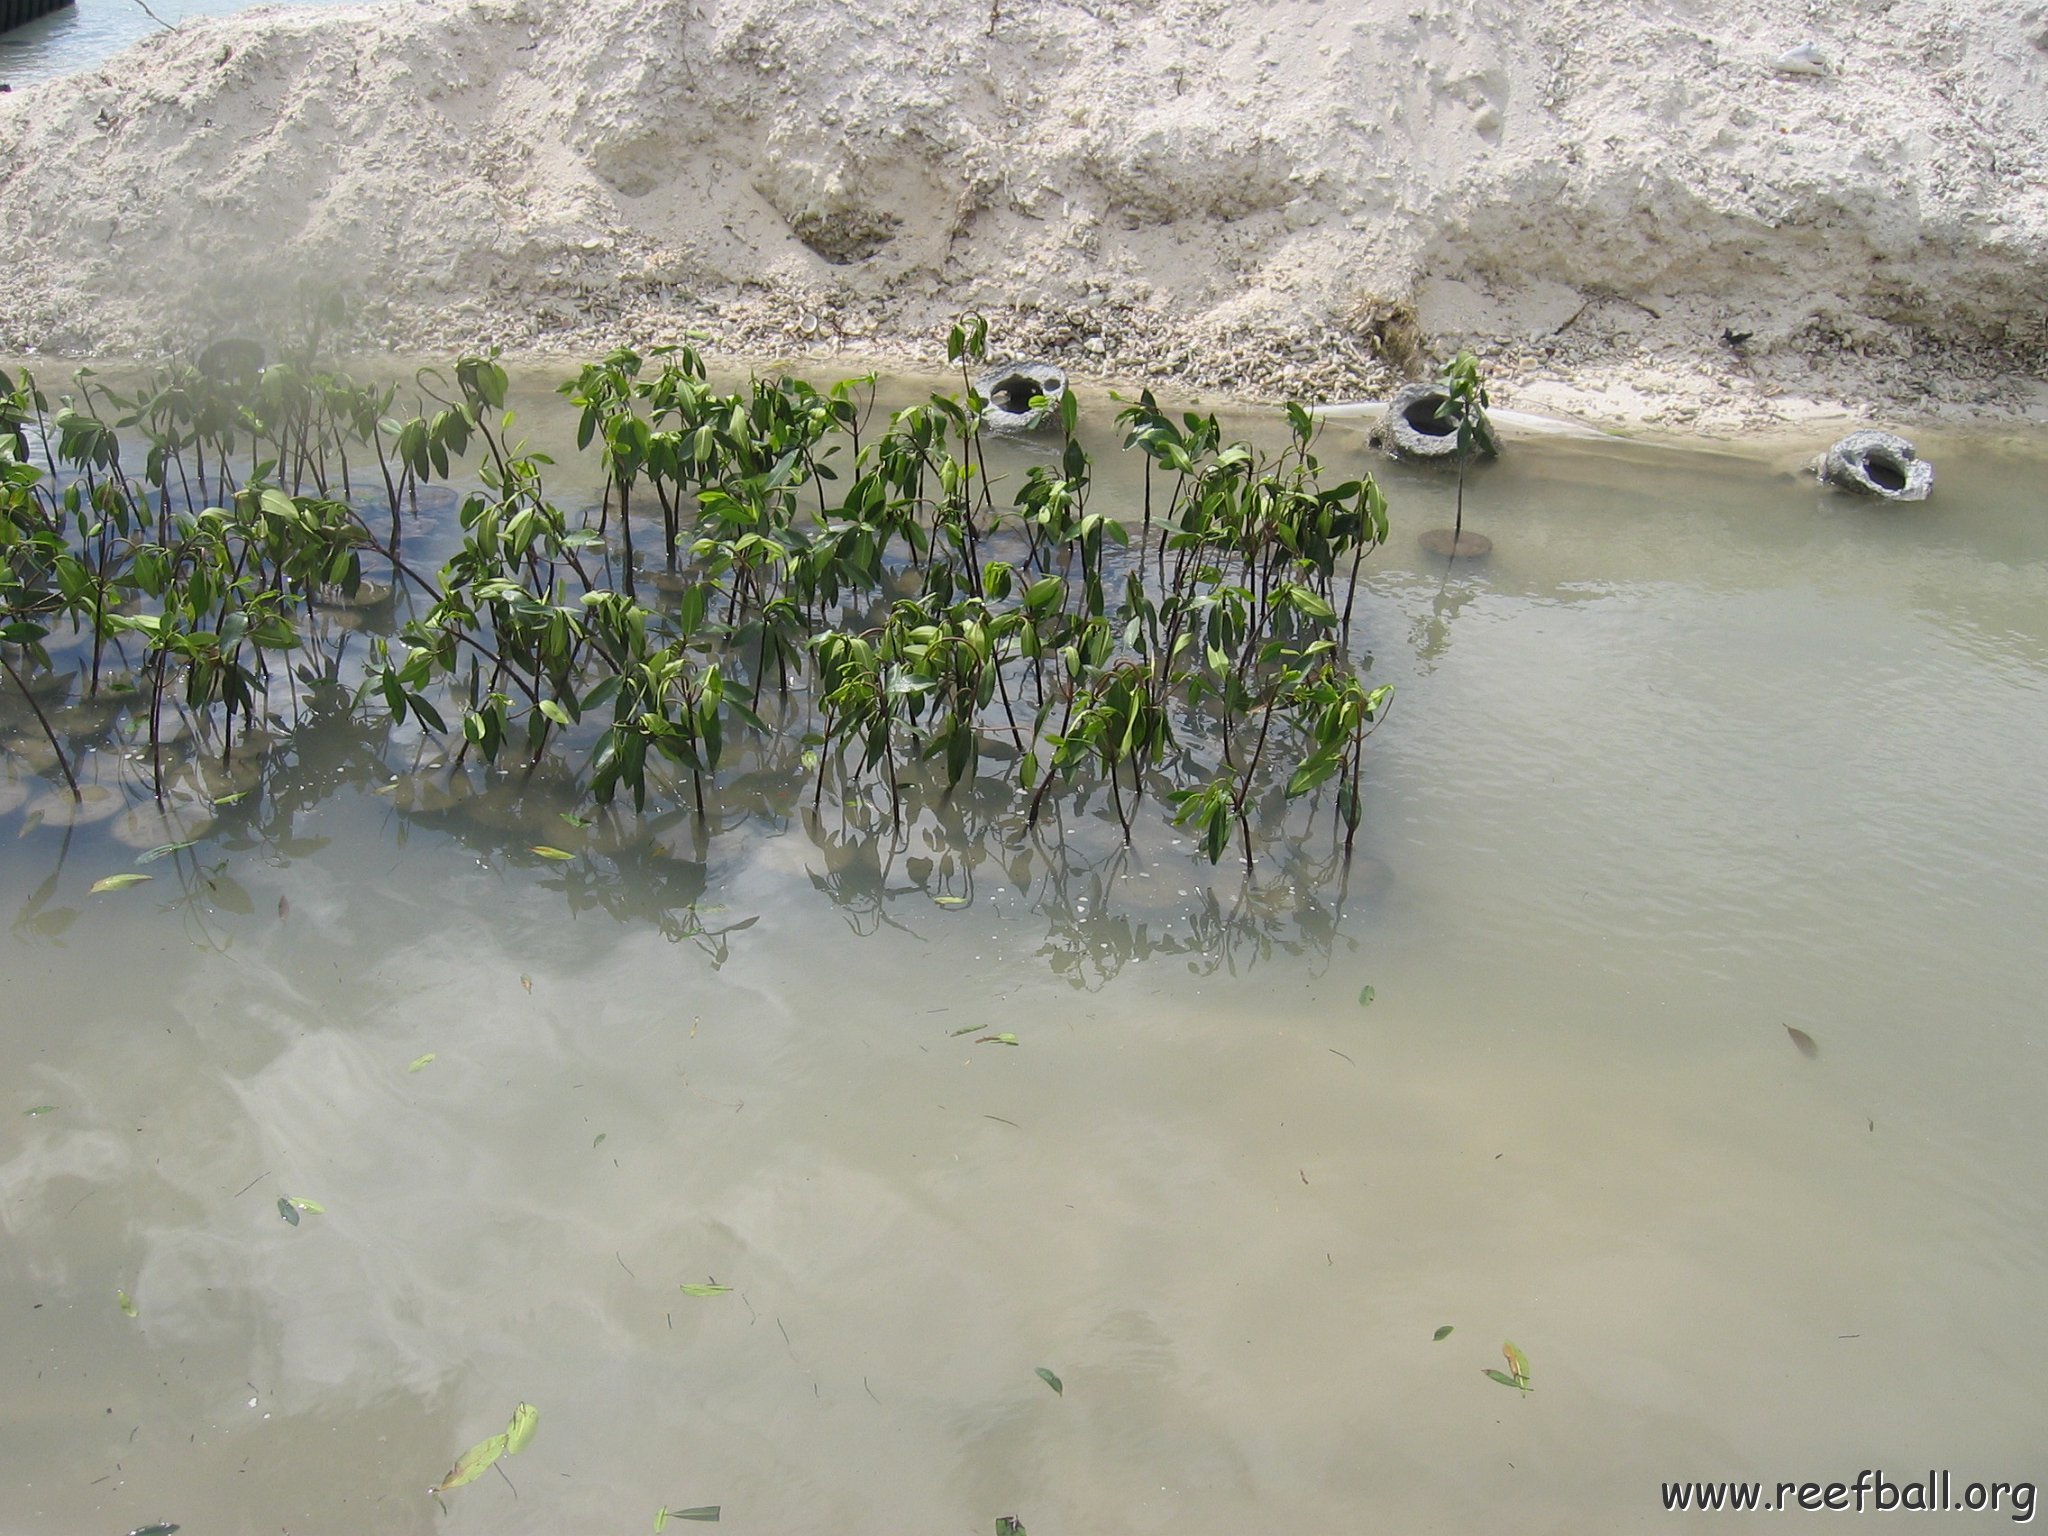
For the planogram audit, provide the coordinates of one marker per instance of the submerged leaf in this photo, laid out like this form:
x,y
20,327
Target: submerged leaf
x,y
1508,1381
1005,1038
704,1290
473,1463
600,1140
1009,1525
966,1029
1518,1363
118,882
526,982
421,1062
126,1305
708,1513
1808,1046
950,901
40,1109
551,853
519,1433
1442,1333
1051,1381
161,1528
288,1211
1366,996
168,848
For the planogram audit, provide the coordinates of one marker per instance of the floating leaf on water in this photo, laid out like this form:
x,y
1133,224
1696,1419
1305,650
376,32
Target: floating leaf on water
x,y
526,982
1051,1381
40,1109
1009,1525
600,1140
161,1528
1508,1381
1517,1363
550,853
1442,1333
312,1206
227,800
288,1211
1808,1046
421,1062
168,848
125,1303
704,1290
519,1433
950,901
118,882
473,1463
1005,1038
966,1029
1365,997
573,819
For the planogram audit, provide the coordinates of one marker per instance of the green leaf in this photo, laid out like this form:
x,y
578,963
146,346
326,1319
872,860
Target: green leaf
x,y
704,1290
420,1063
1365,997
313,1207
1009,1525
1005,1038
556,713
126,1305
550,853
1051,1381
168,848
231,799
708,1513
288,1211
950,901
44,1109
1442,1333
573,819
473,1463
964,1029
599,1141
1518,1363
118,882
1508,1381
519,1433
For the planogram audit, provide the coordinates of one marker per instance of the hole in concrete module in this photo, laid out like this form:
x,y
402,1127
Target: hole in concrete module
x,y
1885,472
1422,416
1014,394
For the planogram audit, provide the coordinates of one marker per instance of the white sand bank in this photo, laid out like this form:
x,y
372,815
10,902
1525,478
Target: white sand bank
x,y
1290,198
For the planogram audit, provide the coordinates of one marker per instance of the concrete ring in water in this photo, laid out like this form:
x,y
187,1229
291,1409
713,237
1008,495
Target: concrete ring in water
x,y
181,818
1450,544
1880,464
95,802
1412,429
1010,389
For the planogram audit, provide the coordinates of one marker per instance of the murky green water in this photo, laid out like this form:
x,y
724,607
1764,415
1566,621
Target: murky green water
x,y
1701,752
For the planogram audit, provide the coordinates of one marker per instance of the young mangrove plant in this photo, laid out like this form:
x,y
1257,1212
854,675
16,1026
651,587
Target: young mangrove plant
x,y
899,613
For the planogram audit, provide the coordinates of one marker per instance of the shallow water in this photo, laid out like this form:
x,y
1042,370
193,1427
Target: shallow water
x,y
1700,753
90,31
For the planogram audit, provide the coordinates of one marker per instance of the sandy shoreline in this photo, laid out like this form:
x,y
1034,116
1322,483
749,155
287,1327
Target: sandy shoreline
x,y
1634,218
